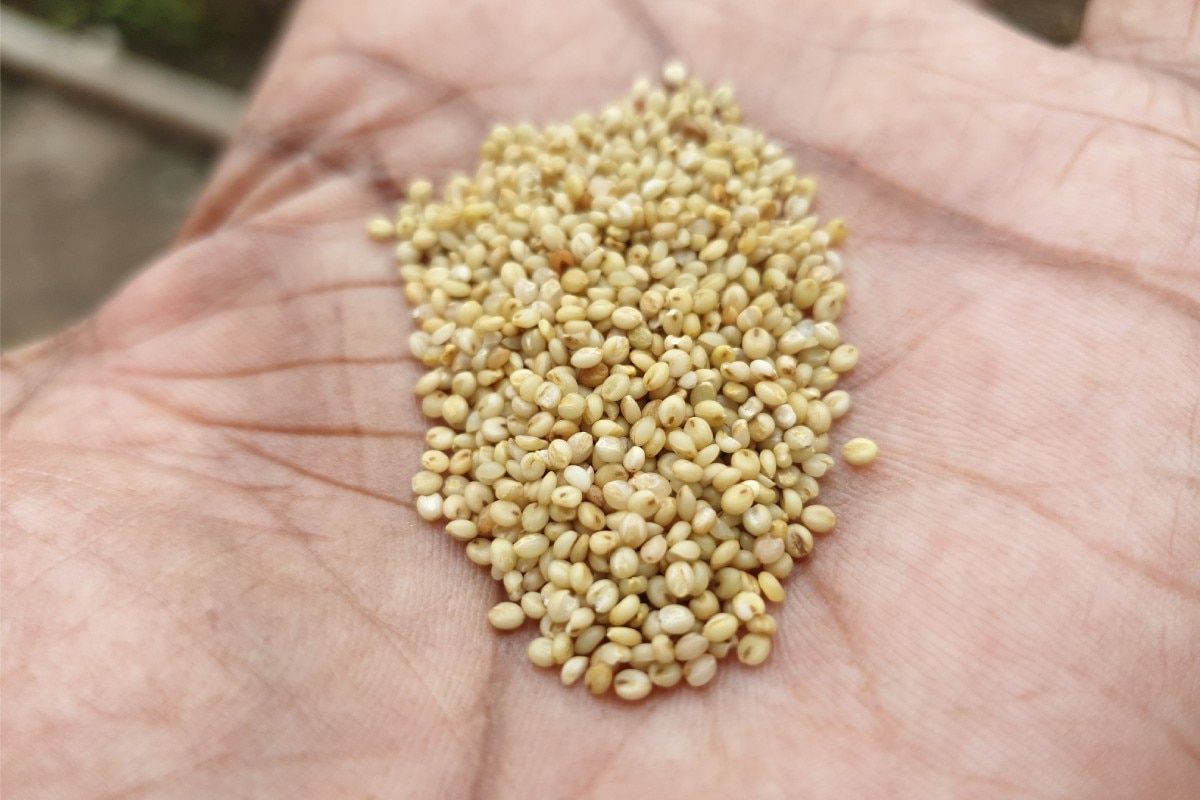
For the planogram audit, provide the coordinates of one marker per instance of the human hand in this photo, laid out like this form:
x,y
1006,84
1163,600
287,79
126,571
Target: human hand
x,y
214,583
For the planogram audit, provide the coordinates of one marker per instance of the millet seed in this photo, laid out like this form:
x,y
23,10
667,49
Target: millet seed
x,y
860,452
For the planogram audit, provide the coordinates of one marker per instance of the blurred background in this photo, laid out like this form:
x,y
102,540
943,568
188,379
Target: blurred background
x,y
111,113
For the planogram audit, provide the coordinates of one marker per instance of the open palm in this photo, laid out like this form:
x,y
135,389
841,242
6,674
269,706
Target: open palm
x,y
215,584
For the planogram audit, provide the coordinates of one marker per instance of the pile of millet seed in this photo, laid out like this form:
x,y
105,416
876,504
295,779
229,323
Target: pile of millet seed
x,y
628,323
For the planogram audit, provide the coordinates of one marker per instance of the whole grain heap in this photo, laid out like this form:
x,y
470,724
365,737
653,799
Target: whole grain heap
x,y
628,323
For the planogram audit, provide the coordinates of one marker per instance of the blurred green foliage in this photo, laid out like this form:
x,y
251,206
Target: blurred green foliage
x,y
171,22
223,40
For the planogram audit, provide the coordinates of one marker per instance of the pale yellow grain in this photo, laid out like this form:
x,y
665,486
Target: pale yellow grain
x,y
676,619
720,627
745,605
380,228
629,637
764,624
665,675
700,670
625,610
772,589
860,452
573,669
843,358
818,518
531,545
689,646
598,678
541,652
464,530
632,684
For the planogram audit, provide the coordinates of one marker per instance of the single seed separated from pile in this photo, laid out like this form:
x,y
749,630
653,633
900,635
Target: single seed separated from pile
x,y
628,326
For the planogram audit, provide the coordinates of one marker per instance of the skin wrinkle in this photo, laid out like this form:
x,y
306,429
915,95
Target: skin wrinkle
x,y
1078,152
307,473
1194,233
392,636
1188,77
61,351
1175,526
289,145
87,548
959,775
389,63
150,785
255,493
281,185
644,23
1113,694
557,33
106,343
336,287
287,155
886,726
233,753
1059,257
135,584
303,141
267,369
1134,47
492,693
299,757
1189,143
248,490
923,336
289,430
1152,574
926,753
142,592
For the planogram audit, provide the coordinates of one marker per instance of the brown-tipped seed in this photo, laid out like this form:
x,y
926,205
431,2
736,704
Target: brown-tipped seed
x,y
737,499
753,649
665,675
746,604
